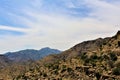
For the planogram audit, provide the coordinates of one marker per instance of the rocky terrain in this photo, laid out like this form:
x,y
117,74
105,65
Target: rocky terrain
x,y
90,60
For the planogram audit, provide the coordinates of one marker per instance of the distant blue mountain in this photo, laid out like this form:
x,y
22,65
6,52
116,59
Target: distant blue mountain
x,y
30,54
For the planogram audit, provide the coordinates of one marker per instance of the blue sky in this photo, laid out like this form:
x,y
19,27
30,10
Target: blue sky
x,y
55,23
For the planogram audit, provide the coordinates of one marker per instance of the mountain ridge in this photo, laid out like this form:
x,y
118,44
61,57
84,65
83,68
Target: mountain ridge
x,y
30,54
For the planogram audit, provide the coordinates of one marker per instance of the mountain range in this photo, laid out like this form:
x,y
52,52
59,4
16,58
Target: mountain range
x,y
30,54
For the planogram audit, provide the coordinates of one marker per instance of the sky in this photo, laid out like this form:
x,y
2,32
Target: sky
x,y
59,24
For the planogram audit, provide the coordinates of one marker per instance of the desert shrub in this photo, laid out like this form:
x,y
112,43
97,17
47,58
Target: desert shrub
x,y
59,78
18,77
55,72
93,64
98,75
113,56
21,77
63,70
63,66
105,57
104,43
101,47
87,60
44,75
93,57
48,65
109,44
55,67
69,69
111,64
83,56
117,64
86,72
116,71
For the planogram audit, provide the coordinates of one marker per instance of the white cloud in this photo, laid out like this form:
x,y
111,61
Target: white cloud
x,y
107,12
12,28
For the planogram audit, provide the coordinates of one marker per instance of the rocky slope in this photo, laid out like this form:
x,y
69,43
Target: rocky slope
x,y
90,60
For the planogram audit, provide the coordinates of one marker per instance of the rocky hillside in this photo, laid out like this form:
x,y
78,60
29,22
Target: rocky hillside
x,y
90,60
